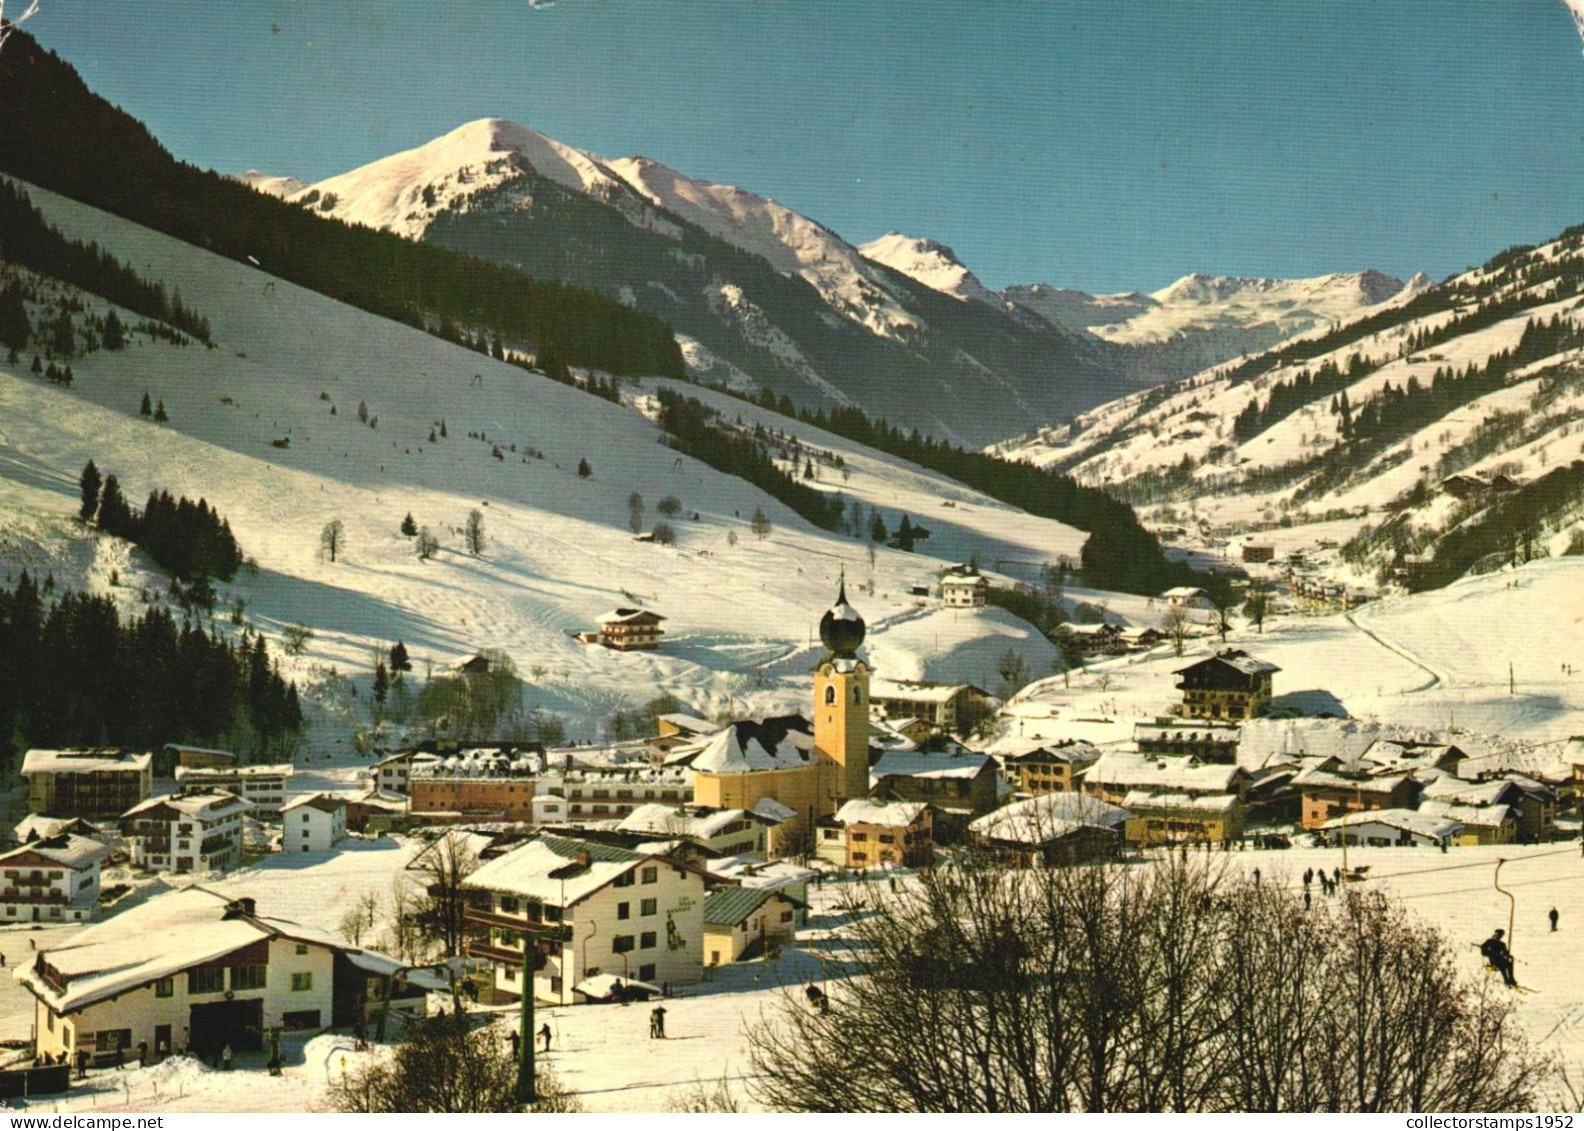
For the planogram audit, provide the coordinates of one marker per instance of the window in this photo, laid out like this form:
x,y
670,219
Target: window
x,y
621,944
248,977
302,981
552,914
511,973
859,857
508,904
646,973
206,981
165,987
786,916
860,836
651,875
623,881
646,941
886,838
624,911
302,948
648,907
555,984
108,1040
300,1019
830,694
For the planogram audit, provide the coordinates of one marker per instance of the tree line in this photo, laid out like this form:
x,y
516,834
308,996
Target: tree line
x,y
75,673
61,135
27,240
189,540
696,430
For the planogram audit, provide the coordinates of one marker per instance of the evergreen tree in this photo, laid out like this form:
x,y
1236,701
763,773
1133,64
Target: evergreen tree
x,y
760,523
399,661
63,335
381,686
877,528
37,367
114,336
115,516
473,532
584,470
147,408
15,329
88,485
160,416
408,526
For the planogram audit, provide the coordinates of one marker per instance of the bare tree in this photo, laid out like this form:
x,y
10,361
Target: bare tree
x,y
1170,987
442,868
1256,605
445,1064
426,545
1175,622
358,923
332,537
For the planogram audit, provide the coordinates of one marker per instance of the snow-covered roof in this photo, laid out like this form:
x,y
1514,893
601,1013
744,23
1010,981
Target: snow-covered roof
x,y
1184,591
628,616
1048,817
209,806
751,872
41,826
681,820
221,773
1408,820
689,723
1265,741
480,762
1236,659
1483,816
1184,774
556,870
1044,749
83,761
888,814
915,691
1198,731
781,743
924,764
1449,788
1391,754
68,850
158,939
380,799
322,801
772,810
1142,801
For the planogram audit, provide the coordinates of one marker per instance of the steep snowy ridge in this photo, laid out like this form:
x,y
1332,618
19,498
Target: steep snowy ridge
x,y
931,263
282,187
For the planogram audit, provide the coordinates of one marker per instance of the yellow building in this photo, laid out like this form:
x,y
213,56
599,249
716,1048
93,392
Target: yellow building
x,y
742,923
1180,818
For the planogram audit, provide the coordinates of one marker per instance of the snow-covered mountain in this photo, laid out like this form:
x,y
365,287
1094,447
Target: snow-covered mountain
x,y
282,187
760,295
1436,422
931,263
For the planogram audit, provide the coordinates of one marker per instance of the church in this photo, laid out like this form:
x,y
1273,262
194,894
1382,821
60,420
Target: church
x,y
812,772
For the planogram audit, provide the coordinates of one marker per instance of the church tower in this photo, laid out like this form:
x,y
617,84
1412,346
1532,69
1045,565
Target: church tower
x,y
841,706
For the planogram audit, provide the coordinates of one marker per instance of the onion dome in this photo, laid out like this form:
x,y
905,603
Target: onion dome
x,y
841,628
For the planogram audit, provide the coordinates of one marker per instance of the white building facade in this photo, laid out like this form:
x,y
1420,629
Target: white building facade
x,y
186,832
52,880
313,823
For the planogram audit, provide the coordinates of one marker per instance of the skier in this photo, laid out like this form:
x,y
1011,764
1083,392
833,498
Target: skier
x,y
1308,878
657,1022
544,1032
1306,899
1497,954
1256,877
142,1054
516,1044
225,1058
1554,917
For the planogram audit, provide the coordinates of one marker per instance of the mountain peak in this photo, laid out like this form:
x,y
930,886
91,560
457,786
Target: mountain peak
x,y
929,262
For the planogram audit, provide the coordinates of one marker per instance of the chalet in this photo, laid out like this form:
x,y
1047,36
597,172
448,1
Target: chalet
x,y
1425,760
591,909
1387,828
629,630
946,706
97,784
263,787
194,970
959,785
186,832
780,875
729,832
1039,766
313,822
174,754
1229,685
1121,773
375,812
884,834
1182,818
1537,805
1482,824
1051,829
964,588
1096,639
1258,552
678,730
394,773
1187,597
1207,741
53,879
596,793
1331,788
1146,637
745,923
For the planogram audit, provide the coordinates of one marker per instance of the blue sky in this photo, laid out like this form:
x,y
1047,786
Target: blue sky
x,y
1106,146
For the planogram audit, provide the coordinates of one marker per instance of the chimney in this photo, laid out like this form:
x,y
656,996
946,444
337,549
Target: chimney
x,y
582,858
239,907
